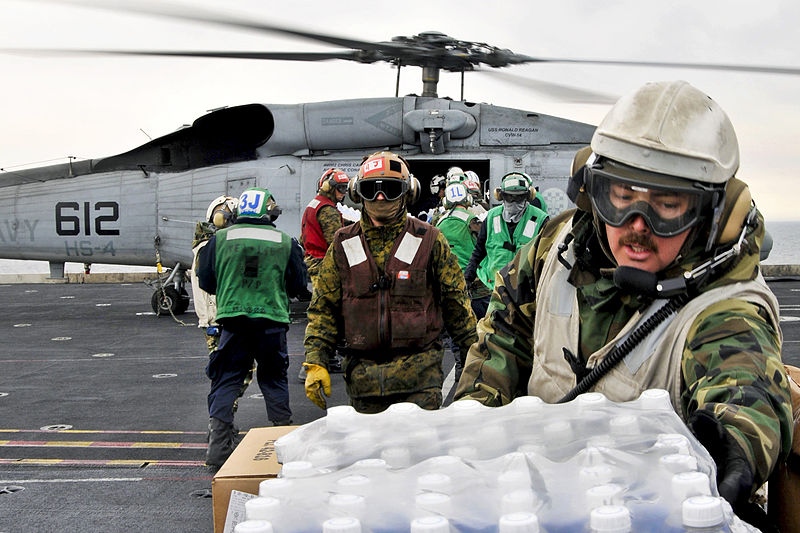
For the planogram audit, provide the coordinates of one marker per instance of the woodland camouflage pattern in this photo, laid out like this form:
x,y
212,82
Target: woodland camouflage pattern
x,y
731,363
419,372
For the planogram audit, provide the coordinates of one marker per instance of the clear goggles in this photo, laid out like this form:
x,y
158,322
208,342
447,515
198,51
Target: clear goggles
x,y
392,188
668,205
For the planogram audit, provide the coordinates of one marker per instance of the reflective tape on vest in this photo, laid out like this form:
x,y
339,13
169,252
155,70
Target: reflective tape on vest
x,y
354,251
259,234
530,229
408,248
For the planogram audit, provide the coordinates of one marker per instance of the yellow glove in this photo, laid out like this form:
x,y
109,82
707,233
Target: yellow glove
x,y
318,384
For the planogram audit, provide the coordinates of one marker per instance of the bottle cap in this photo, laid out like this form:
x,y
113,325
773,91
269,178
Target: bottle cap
x,y
434,482
464,409
610,519
607,494
702,511
351,505
341,418
403,409
297,469
430,524
443,462
518,501
655,399
527,404
253,526
433,503
518,523
277,487
262,508
396,456
322,457
590,476
672,443
359,443
591,400
352,482
371,464
469,453
687,484
341,524
678,462
558,433
623,425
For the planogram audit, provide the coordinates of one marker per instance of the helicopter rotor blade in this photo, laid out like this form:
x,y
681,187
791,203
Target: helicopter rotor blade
x,y
793,71
279,56
182,12
556,91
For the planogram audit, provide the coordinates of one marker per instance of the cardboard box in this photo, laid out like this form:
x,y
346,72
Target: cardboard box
x,y
252,462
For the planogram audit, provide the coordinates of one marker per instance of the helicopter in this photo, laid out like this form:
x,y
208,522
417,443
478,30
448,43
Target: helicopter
x,y
133,208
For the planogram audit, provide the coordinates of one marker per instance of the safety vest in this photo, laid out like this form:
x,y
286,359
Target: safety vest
x,y
500,246
395,313
251,263
654,363
455,226
313,240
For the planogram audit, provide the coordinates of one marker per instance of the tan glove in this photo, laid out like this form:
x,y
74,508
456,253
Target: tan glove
x,y
318,384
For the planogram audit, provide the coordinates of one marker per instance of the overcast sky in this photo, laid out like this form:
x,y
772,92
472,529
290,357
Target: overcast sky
x,y
54,107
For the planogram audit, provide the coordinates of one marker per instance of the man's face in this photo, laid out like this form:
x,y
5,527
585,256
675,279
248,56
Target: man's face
x,y
634,245
339,195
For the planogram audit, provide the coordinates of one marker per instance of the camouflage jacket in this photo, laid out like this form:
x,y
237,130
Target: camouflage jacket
x,y
731,363
404,374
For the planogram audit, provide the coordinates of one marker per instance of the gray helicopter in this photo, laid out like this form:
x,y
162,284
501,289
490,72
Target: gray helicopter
x,y
133,208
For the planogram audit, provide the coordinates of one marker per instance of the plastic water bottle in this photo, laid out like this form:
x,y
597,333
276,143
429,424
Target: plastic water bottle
x,y
430,524
518,501
253,526
262,508
656,399
297,470
610,519
518,523
351,505
687,484
276,487
703,513
341,524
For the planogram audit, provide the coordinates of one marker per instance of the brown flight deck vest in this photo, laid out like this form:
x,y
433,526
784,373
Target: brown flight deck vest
x,y
396,313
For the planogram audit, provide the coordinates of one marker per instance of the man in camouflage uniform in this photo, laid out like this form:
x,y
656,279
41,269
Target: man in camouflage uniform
x,y
660,217
391,284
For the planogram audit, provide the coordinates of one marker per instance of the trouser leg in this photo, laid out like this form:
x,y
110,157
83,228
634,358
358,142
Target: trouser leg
x,y
227,368
273,363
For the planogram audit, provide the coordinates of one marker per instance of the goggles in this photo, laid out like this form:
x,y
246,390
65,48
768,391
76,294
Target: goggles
x,y
392,188
514,198
342,187
668,205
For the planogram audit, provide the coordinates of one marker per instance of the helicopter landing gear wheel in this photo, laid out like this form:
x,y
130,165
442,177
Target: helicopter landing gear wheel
x,y
170,301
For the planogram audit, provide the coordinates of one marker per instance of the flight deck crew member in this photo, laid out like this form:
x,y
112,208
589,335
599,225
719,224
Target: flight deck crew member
x,y
253,268
461,228
321,218
661,218
391,284
506,228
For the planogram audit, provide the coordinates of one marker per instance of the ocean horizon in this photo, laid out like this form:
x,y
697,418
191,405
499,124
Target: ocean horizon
x,y
785,251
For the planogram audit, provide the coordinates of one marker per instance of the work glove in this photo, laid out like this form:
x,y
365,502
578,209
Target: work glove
x,y
735,478
318,384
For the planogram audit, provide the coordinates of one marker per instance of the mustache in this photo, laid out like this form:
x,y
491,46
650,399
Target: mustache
x,y
637,239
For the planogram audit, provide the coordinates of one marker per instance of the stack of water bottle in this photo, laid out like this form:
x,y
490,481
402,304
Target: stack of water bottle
x,y
589,465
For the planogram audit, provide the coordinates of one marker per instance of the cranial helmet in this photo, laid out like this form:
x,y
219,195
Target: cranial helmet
x,y
437,183
515,183
257,203
457,194
331,179
220,210
387,173
455,175
666,137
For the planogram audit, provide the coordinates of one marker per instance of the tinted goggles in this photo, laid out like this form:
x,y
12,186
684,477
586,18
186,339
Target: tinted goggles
x,y
392,188
341,187
668,208
514,198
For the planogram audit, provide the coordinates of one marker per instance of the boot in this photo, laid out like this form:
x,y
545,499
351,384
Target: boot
x,y
220,442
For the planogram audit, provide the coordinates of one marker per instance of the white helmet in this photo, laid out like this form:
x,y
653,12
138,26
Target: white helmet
x,y
227,203
670,128
457,194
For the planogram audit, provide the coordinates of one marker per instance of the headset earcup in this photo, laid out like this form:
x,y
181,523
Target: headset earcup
x,y
413,190
326,185
738,202
351,191
496,194
218,219
531,193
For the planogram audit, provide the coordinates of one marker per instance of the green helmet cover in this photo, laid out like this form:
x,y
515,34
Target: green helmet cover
x,y
255,203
